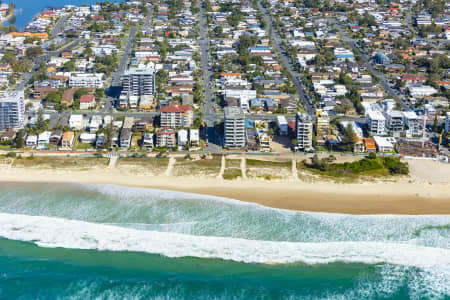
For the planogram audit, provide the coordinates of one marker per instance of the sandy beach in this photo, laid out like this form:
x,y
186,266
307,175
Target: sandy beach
x,y
427,191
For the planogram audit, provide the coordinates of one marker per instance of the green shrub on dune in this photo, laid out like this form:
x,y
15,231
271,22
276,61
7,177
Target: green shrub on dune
x,y
370,165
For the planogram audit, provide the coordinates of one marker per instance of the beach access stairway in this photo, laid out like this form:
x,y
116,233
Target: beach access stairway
x,y
244,167
294,170
222,167
170,166
113,157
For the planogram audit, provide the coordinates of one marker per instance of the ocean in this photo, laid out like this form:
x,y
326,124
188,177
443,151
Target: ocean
x,y
76,241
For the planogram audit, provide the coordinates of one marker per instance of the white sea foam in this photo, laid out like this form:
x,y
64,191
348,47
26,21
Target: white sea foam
x,y
150,209
57,232
126,192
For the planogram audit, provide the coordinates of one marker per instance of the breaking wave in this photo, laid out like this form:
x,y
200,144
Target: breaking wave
x,y
57,232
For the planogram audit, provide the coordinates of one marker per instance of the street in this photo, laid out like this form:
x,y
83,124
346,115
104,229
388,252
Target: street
x,y
209,116
383,80
287,65
113,91
26,77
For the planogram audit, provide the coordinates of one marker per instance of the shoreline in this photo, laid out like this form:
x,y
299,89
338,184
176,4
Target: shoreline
x,y
396,197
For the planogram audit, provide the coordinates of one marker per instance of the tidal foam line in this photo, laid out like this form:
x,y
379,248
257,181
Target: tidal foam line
x,y
57,232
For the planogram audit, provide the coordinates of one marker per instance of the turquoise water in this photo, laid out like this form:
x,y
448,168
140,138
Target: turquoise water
x,y
108,242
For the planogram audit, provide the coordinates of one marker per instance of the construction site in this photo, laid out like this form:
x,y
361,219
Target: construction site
x,y
416,148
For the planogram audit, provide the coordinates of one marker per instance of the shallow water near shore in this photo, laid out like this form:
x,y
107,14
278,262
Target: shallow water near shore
x,y
106,241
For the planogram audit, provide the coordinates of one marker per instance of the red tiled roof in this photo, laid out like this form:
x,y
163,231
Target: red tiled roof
x,y
87,98
413,77
175,109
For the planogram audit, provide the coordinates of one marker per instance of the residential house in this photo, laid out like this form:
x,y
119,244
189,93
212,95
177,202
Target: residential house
x,y
31,141
88,138
87,101
55,137
384,144
44,140
67,140
147,141
76,122
125,138
194,137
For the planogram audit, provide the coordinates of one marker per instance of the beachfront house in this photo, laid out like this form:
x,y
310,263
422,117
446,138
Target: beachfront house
x,y
87,138
44,140
31,141
384,144
100,141
147,141
182,138
125,138
194,137
55,137
67,140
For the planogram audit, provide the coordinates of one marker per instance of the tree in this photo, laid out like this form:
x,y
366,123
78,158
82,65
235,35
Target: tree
x,y
80,92
208,6
22,66
9,58
18,142
12,28
12,20
218,30
12,79
435,124
54,98
108,136
88,52
318,163
33,52
99,93
372,155
40,124
198,123
69,66
348,139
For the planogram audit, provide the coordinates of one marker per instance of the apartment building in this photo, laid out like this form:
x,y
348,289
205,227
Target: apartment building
x,y
86,80
234,128
139,81
322,123
412,121
165,137
12,110
304,131
376,122
174,116
394,122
